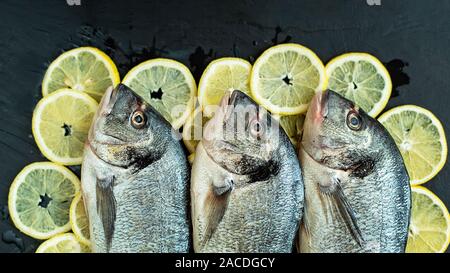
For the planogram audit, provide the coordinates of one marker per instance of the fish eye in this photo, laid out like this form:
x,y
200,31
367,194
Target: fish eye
x,y
354,121
256,129
138,119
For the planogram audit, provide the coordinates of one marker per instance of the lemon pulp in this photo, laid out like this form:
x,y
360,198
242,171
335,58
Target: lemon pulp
x,y
361,78
420,137
286,77
84,69
61,123
220,77
39,199
167,85
79,220
429,229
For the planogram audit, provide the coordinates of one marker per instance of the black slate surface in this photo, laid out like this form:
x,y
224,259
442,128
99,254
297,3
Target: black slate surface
x,y
411,37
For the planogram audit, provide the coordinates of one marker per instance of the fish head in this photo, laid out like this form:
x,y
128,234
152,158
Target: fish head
x,y
126,130
358,170
339,134
242,137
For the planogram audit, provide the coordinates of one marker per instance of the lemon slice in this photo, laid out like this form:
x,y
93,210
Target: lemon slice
x,y
79,220
221,76
293,126
167,85
61,123
191,158
429,229
193,130
286,77
361,78
85,69
39,199
421,139
63,243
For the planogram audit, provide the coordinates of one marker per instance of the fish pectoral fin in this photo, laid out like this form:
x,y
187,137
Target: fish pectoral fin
x,y
106,207
215,207
346,212
303,235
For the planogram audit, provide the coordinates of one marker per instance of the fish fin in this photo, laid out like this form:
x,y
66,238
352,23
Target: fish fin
x,y
304,221
215,207
346,212
303,235
106,207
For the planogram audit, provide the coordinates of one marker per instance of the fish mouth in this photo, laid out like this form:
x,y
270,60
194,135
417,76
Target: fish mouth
x,y
319,107
317,113
112,140
317,156
235,100
229,102
108,101
236,97
232,98
106,140
225,106
106,105
110,97
313,142
223,114
96,155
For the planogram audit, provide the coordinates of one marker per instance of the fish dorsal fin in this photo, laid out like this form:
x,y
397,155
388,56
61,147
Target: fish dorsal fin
x,y
106,207
215,206
344,209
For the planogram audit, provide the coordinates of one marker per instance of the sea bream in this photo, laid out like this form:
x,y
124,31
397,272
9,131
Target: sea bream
x,y
246,184
357,192
135,178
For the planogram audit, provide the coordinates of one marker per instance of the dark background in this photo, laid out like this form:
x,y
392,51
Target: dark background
x,y
411,37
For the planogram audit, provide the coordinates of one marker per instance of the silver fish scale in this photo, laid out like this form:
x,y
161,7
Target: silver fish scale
x,y
332,223
378,203
151,206
263,216
397,194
